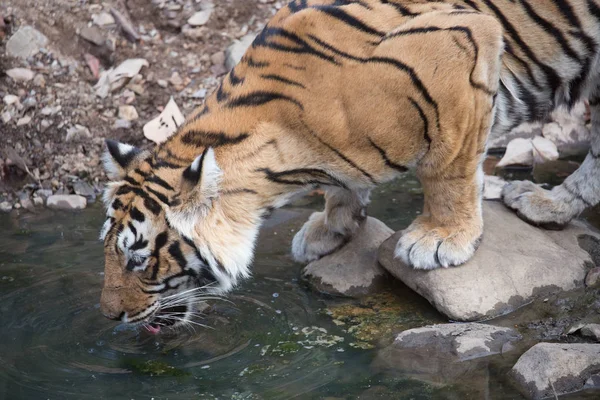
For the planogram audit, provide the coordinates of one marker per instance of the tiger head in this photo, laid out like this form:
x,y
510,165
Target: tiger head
x,y
159,260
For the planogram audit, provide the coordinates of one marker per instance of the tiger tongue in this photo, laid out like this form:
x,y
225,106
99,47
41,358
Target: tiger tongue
x,y
152,328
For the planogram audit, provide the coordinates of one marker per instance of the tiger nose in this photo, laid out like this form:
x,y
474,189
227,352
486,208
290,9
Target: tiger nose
x,y
110,305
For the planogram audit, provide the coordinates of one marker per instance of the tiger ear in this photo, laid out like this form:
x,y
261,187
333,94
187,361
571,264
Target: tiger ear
x,y
202,176
119,159
199,187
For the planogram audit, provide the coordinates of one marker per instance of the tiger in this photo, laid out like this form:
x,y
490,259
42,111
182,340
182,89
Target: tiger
x,y
345,95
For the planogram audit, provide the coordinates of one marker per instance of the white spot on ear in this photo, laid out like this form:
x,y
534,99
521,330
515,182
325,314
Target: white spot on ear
x,y
111,167
211,175
195,167
124,149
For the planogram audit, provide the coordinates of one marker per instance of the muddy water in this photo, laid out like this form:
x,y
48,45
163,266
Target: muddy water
x,y
274,339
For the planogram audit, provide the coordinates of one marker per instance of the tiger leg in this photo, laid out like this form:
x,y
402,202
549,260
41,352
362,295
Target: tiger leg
x,y
329,230
553,209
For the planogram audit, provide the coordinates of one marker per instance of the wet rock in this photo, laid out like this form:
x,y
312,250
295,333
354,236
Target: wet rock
x,y
236,50
593,277
593,382
86,190
551,369
5,207
543,150
492,189
25,201
38,201
200,18
66,202
44,193
26,42
591,331
128,113
515,263
93,35
459,342
20,74
163,126
353,270
518,152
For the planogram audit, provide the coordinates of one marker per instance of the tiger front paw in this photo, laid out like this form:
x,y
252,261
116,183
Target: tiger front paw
x,y
316,240
426,246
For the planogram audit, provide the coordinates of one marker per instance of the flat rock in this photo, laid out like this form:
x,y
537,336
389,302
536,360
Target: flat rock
x,y
66,202
26,42
515,263
593,277
93,35
550,369
353,270
458,341
200,18
20,74
84,189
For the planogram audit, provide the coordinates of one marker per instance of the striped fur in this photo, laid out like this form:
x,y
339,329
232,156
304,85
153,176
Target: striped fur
x,y
345,95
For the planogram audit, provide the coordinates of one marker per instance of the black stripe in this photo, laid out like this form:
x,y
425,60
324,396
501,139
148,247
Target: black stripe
x,y
295,67
159,243
212,139
471,4
302,47
238,191
139,244
136,214
335,50
222,95
132,228
423,118
551,75
130,180
117,204
278,78
159,181
152,205
140,172
302,177
401,9
260,98
297,5
234,79
256,64
594,9
164,199
122,159
388,162
551,29
177,254
340,155
348,19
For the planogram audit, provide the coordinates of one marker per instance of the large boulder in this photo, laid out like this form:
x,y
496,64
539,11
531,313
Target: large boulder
x,y
353,270
515,263
550,369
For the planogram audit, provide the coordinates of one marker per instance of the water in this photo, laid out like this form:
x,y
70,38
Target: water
x,y
275,340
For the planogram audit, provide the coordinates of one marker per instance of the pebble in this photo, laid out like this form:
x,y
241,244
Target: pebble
x,y
93,35
20,74
24,121
176,80
162,83
66,202
122,124
218,58
77,132
50,110
10,99
84,189
200,94
5,206
593,277
39,80
200,17
103,19
128,113
26,42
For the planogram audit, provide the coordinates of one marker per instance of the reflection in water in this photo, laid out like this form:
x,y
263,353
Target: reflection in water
x,y
274,340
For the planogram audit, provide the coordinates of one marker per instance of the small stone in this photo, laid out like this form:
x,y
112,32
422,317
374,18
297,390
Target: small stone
x,y
200,94
518,152
86,190
25,201
236,50
24,121
218,58
26,42
20,74
593,277
176,80
38,201
5,206
103,19
162,83
200,17
6,117
50,110
44,193
77,132
66,202
122,124
194,33
128,113
10,99
93,34
543,150
39,80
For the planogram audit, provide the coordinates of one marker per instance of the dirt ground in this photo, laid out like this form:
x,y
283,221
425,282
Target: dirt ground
x,y
185,62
